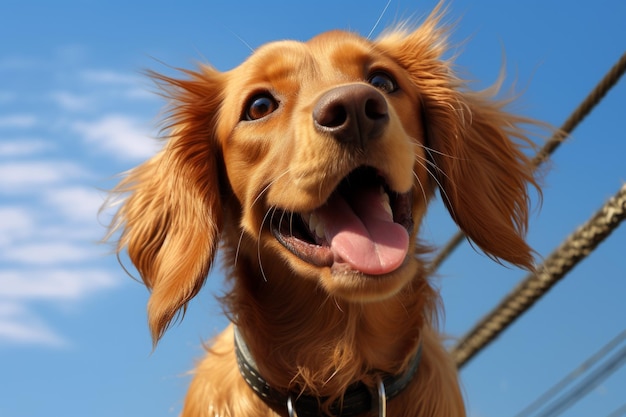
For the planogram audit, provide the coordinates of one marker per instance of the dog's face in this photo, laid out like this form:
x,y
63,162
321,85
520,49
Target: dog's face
x,y
323,147
321,157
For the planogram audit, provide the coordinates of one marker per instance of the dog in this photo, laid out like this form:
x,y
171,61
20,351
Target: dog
x,y
311,166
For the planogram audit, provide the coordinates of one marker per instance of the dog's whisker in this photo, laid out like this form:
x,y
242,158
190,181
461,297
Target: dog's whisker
x,y
239,246
369,35
267,187
331,376
444,193
291,223
242,40
431,151
421,186
431,162
256,200
258,246
336,302
263,191
425,164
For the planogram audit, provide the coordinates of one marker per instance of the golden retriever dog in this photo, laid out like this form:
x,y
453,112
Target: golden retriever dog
x,y
311,166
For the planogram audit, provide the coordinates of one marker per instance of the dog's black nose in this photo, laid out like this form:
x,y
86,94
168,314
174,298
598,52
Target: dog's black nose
x,y
355,114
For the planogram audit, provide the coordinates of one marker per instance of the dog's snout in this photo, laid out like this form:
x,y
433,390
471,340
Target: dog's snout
x,y
354,113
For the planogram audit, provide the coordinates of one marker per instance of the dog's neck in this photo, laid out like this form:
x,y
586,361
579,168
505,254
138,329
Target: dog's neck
x,y
357,400
319,344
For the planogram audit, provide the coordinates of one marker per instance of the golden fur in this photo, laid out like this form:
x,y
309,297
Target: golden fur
x,y
220,179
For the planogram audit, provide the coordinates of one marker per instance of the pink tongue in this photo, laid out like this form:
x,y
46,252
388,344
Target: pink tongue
x,y
363,234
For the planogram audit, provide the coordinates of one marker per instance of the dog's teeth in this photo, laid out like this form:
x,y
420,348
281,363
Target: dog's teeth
x,y
387,206
316,225
386,202
385,197
319,230
313,221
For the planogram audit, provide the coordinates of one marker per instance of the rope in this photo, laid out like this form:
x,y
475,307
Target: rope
x,y
608,81
578,245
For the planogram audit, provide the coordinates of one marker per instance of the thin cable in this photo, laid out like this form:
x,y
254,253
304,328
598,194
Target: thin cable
x,y
593,380
608,81
582,368
575,248
619,412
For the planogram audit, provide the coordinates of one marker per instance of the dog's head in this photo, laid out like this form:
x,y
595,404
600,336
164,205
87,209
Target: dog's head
x,y
324,155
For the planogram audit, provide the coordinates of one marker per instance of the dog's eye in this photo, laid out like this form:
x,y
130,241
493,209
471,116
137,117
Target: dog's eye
x,y
260,106
383,82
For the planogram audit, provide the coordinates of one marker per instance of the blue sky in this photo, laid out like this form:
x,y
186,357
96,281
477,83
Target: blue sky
x,y
75,111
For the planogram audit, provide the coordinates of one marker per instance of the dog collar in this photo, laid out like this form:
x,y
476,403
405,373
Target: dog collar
x,y
357,400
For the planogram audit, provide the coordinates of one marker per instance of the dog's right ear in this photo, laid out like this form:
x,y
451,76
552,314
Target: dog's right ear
x,y
171,217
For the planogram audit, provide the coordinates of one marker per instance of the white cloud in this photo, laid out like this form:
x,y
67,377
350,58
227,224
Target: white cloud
x,y
49,227
49,253
22,146
119,136
18,325
140,94
18,121
15,223
53,284
87,234
108,77
24,176
70,101
118,85
78,204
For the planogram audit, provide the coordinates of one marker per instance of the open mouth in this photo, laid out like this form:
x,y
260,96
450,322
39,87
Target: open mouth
x,y
363,224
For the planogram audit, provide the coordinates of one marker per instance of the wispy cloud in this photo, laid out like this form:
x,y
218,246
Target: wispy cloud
x,y
71,101
119,136
22,177
15,223
49,226
55,284
49,253
117,86
22,147
139,93
19,326
76,203
109,77
17,121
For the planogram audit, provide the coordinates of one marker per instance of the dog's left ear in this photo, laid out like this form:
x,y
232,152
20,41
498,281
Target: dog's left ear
x,y
483,174
171,217
474,145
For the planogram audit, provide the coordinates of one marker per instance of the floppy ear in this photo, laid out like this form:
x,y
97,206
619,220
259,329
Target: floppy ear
x,y
484,175
475,146
172,215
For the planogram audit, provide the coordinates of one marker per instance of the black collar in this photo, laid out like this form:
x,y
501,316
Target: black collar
x,y
358,399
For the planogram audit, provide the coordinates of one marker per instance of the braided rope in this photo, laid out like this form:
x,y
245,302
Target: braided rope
x,y
576,247
608,81
597,94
